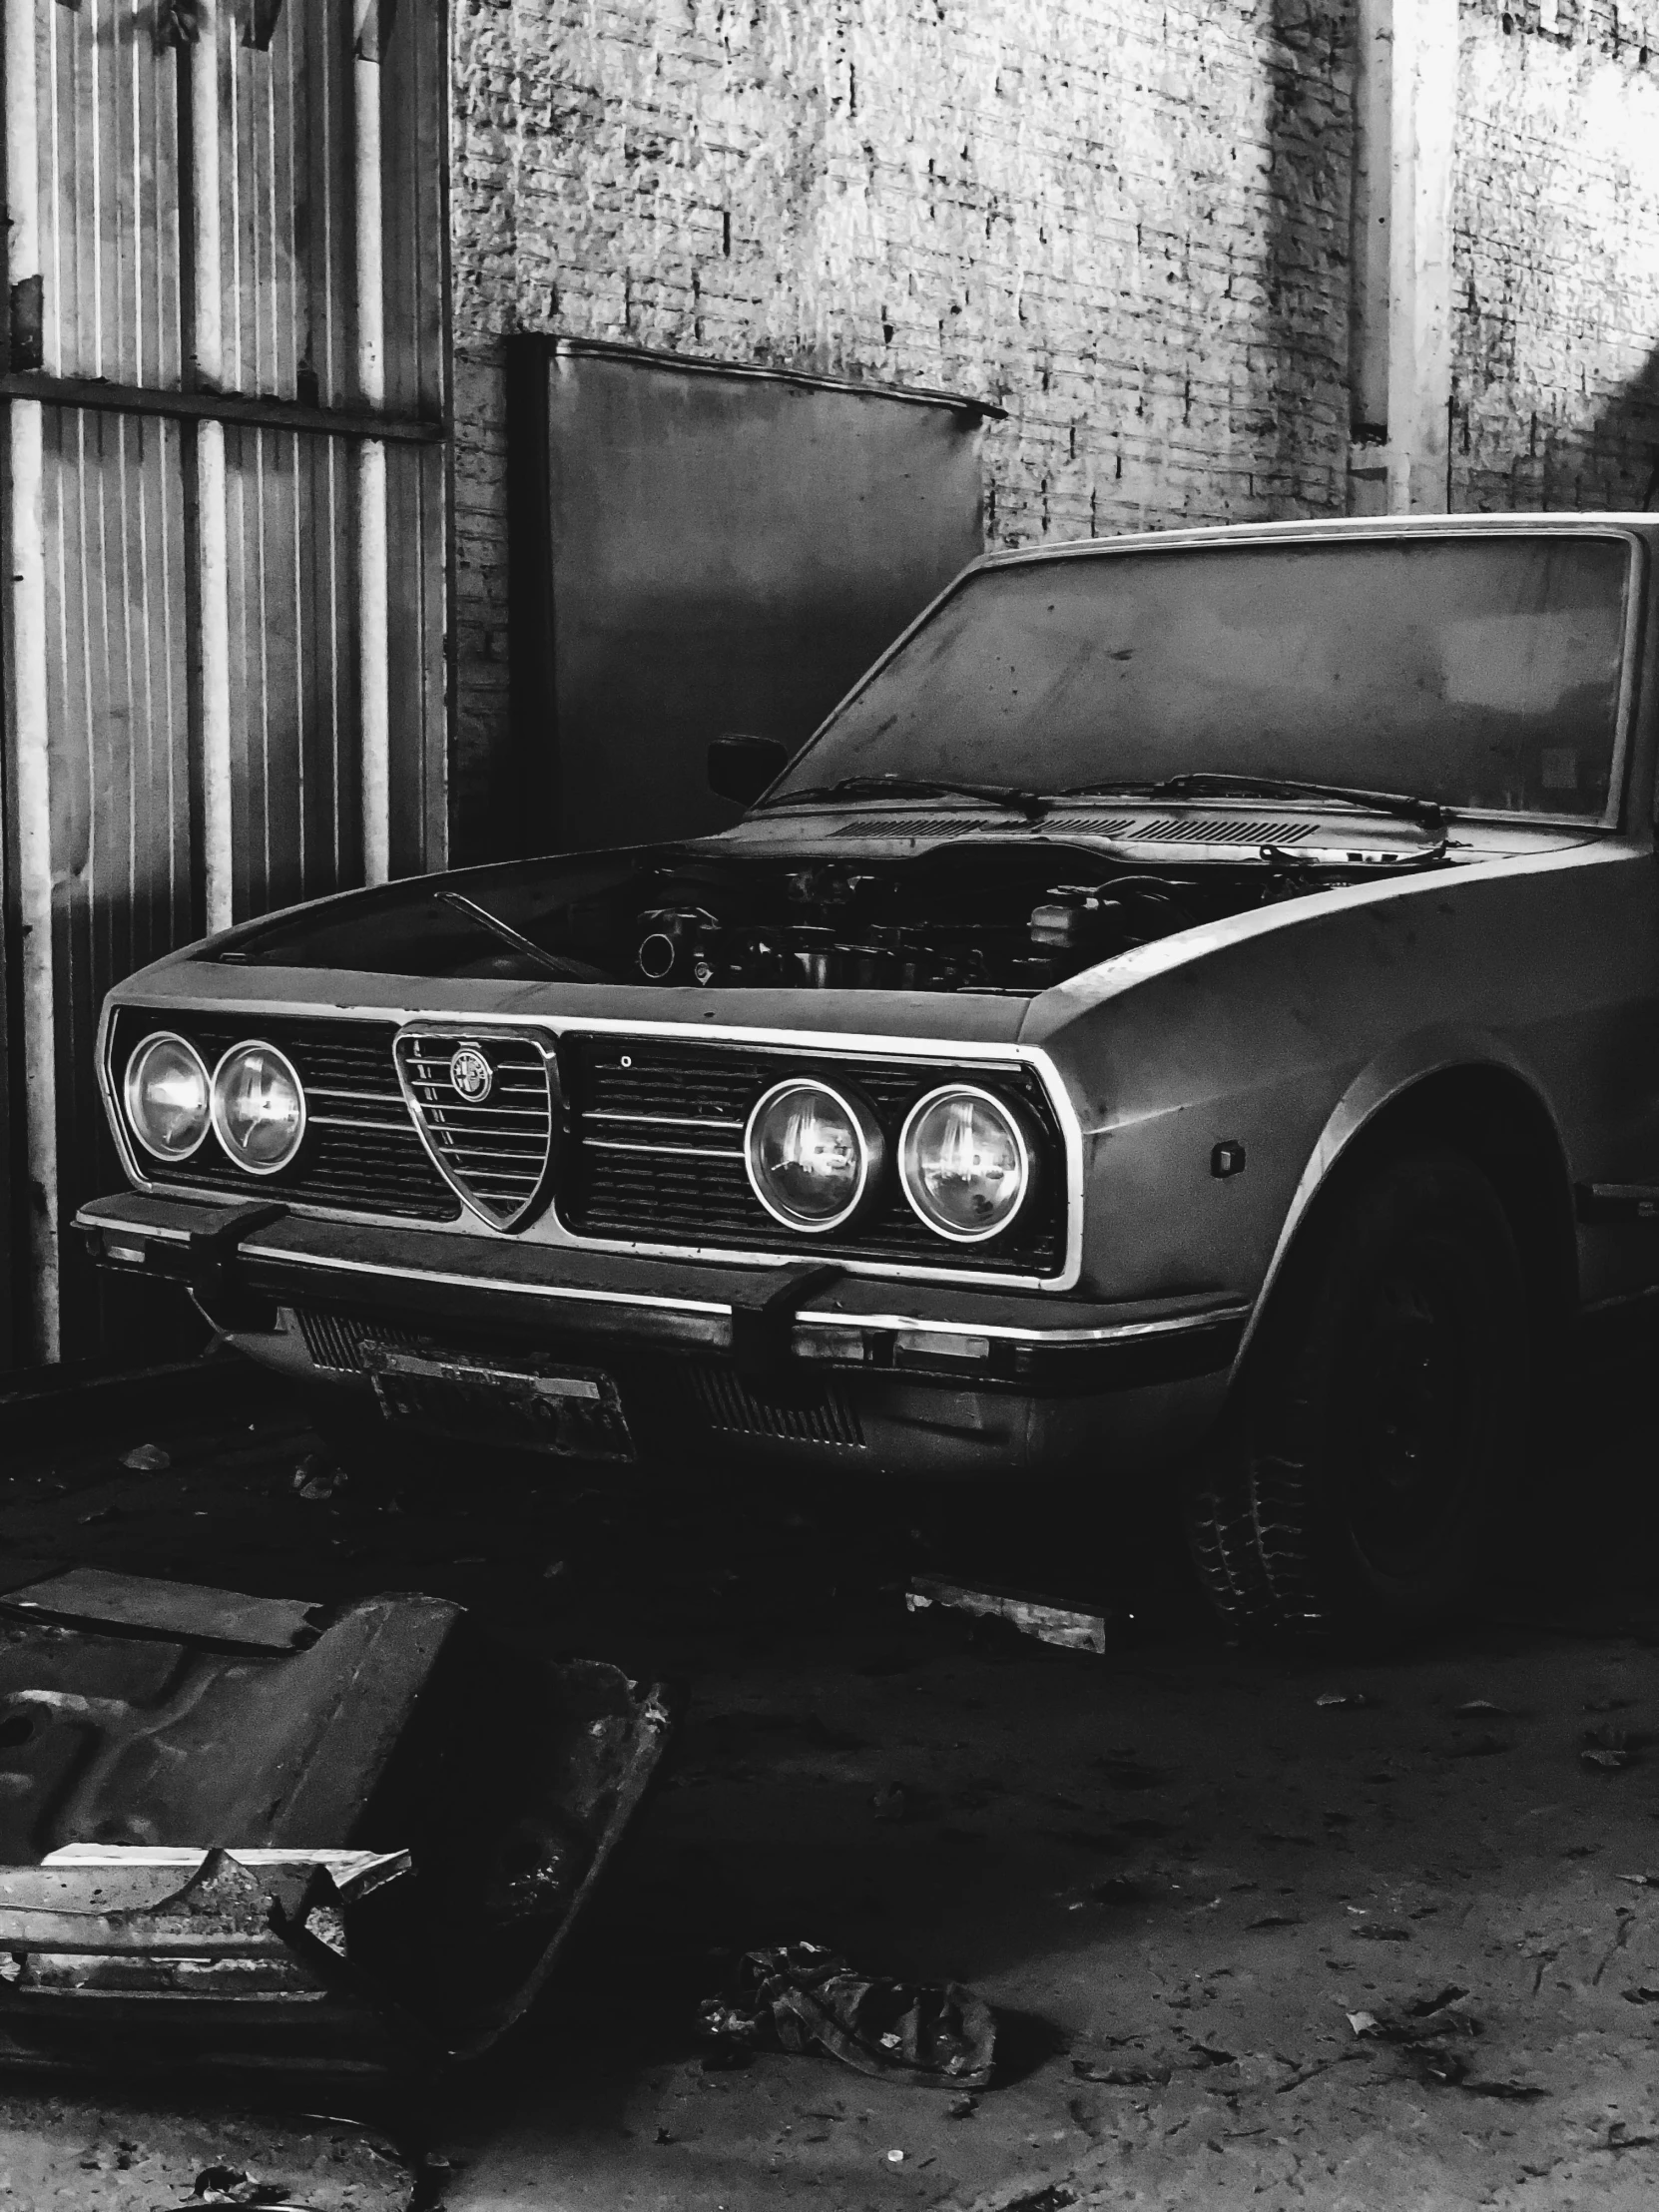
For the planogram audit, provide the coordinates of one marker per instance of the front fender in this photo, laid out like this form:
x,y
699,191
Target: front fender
x,y
1385,1082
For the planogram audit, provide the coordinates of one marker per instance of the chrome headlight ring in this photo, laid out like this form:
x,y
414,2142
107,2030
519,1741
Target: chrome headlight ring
x,y
869,1143
1026,1158
290,1075
132,1092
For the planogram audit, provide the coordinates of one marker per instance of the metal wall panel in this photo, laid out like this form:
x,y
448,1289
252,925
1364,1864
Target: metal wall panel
x,y
728,549
293,668
108,157
287,162
116,675
124,724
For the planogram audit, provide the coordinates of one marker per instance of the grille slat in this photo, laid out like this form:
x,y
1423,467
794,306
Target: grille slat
x,y
497,1151
364,1158
671,1191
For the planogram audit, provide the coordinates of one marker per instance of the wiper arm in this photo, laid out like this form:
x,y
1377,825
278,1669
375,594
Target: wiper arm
x,y
1222,781
1028,802
504,931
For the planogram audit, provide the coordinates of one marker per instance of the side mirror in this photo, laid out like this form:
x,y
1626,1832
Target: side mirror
x,y
741,767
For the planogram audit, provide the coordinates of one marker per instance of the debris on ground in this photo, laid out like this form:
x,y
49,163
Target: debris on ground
x,y
354,1836
1071,1628
317,1478
1480,1708
1607,1748
804,1996
1446,2012
147,1460
1341,1701
230,2185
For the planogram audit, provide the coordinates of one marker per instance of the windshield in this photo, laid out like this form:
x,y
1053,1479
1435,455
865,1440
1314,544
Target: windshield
x,y
1478,671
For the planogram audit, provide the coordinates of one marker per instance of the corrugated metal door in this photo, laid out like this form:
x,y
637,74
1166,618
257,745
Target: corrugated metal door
x,y
227,392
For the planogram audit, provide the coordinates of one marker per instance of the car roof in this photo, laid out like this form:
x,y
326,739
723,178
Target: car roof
x,y
1314,529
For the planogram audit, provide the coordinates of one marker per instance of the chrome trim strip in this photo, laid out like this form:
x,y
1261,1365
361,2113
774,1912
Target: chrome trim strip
x,y
661,1152
1127,1332
345,1121
665,1121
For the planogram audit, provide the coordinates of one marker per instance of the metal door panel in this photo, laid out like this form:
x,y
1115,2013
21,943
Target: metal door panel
x,y
728,551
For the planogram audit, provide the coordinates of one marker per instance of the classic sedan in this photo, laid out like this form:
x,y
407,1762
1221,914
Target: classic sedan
x,y
1191,1014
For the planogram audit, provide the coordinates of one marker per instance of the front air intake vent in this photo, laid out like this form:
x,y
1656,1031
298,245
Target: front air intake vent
x,y
483,1100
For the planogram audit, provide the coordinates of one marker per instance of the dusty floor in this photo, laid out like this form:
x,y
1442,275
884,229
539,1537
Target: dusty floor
x,y
1180,1876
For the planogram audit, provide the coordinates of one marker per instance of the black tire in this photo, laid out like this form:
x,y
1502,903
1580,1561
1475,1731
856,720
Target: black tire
x,y
1355,1488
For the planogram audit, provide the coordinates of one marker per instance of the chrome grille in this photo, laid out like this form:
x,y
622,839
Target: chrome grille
x,y
656,1153
491,1138
362,1152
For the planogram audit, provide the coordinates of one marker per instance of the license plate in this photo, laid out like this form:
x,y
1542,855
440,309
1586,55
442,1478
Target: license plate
x,y
575,1413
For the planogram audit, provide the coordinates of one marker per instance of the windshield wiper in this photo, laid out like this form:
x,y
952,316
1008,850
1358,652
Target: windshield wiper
x,y
1028,802
1222,781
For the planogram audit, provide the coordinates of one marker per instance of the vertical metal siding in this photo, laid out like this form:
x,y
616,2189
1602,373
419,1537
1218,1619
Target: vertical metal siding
x,y
110,194
292,667
120,544
116,673
287,279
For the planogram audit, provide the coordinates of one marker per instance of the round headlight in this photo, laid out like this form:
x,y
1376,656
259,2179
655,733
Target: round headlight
x,y
165,1089
966,1163
814,1154
259,1108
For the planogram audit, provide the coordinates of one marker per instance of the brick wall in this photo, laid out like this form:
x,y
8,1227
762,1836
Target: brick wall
x,y
1556,293
1124,219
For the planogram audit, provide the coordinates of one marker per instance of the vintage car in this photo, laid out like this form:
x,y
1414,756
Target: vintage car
x,y
1191,1013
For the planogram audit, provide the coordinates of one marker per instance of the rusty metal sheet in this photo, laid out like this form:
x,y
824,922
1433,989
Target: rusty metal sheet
x,y
91,1596
112,1735
367,1853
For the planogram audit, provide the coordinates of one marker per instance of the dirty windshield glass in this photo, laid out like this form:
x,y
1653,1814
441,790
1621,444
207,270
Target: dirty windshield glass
x,y
1481,673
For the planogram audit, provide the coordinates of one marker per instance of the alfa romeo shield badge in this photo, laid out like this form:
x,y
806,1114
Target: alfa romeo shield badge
x,y
471,1074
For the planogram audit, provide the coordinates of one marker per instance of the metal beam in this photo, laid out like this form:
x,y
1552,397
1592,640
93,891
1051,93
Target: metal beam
x,y
212,548
1399,375
30,729
259,413
373,675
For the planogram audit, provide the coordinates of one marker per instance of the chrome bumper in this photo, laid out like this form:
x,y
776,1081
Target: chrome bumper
x,y
242,1261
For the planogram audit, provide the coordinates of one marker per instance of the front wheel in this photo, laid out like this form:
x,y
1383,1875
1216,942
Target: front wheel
x,y
1355,1488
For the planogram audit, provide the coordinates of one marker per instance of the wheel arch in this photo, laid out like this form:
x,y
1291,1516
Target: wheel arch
x,y
1477,1098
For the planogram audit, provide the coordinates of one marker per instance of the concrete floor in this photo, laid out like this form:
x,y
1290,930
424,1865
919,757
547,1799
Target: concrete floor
x,y
1172,1870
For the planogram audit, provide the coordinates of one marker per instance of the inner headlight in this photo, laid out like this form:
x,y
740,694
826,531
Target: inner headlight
x,y
814,1154
165,1090
259,1108
966,1163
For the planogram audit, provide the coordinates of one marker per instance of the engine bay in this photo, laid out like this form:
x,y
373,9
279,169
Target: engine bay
x,y
1012,915
990,918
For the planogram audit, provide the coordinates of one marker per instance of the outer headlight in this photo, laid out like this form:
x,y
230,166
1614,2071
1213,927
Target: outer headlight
x,y
259,1107
814,1154
167,1095
967,1162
